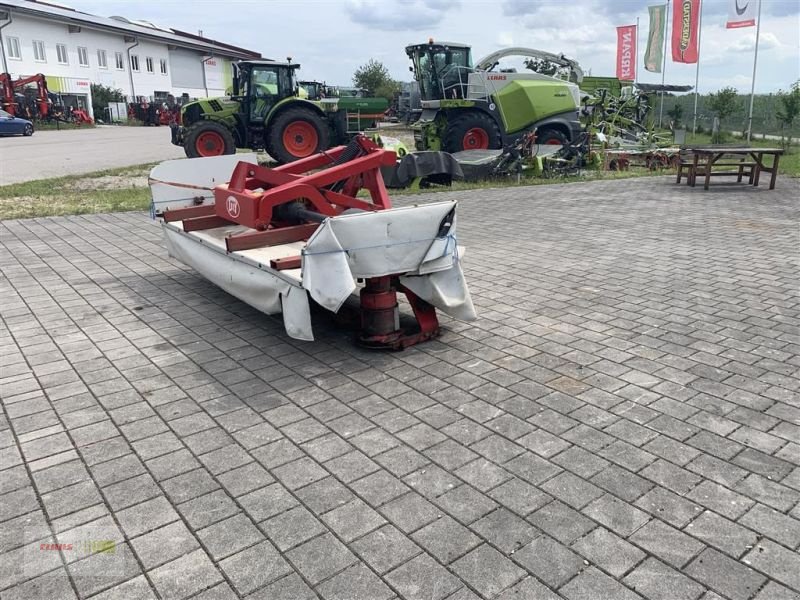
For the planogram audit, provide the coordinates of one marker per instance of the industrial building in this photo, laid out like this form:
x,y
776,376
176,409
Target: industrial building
x,y
75,49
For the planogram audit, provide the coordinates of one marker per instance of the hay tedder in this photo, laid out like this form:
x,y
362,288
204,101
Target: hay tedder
x,y
275,237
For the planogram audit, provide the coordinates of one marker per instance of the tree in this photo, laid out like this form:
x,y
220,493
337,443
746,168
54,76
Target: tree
x,y
790,109
676,114
102,96
374,78
723,104
543,66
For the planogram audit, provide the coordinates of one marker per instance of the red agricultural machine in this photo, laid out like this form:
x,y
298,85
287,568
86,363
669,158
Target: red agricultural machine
x,y
30,97
275,237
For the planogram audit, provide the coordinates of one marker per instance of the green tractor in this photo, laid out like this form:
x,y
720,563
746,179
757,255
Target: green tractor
x,y
265,112
466,107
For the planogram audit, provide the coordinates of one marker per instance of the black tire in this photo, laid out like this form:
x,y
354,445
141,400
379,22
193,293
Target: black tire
x,y
460,124
551,136
298,117
193,140
28,131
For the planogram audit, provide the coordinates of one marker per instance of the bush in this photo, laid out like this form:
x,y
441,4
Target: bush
x,y
102,95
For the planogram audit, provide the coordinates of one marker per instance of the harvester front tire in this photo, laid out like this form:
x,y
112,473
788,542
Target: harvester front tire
x,y
471,131
551,137
297,133
208,138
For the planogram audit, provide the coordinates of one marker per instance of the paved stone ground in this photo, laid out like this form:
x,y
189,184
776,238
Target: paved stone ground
x,y
622,421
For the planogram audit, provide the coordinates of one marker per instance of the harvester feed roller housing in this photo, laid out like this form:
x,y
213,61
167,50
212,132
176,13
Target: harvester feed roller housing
x,y
277,237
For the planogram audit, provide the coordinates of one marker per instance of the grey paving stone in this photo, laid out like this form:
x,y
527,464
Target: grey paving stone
x,y
205,510
465,503
55,584
103,570
669,544
245,479
618,516
422,578
292,586
185,576
410,512
561,522
777,562
148,515
720,499
355,583
385,548
721,533
229,536
550,561
255,567
353,520
572,490
505,530
324,495
321,557
622,483
519,496
656,581
608,551
592,584
487,571
725,575
189,485
264,503
290,528
379,487
775,591
164,544
446,539
773,524
668,506
137,588
528,589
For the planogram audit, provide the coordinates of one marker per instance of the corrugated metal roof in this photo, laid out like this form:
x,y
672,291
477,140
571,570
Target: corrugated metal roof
x,y
143,29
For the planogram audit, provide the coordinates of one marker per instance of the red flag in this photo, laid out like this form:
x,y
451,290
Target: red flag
x,y
685,17
626,52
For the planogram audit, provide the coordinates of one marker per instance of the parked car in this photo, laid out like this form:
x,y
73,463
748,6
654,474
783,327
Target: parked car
x,y
10,125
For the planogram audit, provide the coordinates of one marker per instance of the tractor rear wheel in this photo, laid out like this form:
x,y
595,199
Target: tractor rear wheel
x,y
208,138
471,131
551,137
297,133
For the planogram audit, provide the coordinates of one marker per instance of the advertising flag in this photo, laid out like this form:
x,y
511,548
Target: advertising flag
x,y
685,18
654,53
626,52
741,13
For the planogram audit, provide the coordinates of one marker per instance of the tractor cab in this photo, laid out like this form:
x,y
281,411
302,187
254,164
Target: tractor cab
x,y
260,85
441,69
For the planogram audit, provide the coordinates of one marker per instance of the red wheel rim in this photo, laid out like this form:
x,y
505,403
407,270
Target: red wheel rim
x,y
210,143
476,139
553,142
300,139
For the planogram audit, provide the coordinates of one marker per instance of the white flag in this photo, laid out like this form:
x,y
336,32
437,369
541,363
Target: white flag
x,y
742,13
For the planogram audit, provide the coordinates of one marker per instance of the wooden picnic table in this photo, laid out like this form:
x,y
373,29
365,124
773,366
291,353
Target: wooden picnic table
x,y
711,155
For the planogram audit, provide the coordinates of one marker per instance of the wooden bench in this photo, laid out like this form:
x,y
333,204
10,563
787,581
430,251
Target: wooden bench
x,y
693,169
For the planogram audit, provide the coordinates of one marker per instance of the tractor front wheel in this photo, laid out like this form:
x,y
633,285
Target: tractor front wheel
x,y
208,138
296,133
471,131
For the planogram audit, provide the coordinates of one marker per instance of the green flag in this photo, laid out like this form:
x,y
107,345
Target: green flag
x,y
654,54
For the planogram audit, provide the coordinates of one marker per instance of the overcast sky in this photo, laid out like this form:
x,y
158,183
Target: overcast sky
x,y
331,38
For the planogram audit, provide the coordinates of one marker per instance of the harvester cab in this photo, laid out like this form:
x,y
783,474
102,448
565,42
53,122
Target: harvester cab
x,y
466,107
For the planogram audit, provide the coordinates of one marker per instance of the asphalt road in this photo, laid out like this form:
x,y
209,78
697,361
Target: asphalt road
x,y
75,151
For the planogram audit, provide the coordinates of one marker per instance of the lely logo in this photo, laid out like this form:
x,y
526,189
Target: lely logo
x,y
233,207
740,11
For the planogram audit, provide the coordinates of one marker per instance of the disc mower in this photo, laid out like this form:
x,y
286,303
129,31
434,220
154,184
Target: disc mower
x,y
279,238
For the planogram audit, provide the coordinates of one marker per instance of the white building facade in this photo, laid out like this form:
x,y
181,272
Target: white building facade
x,y
74,50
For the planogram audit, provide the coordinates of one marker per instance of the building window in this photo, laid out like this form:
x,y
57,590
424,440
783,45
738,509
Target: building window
x,y
119,60
135,63
83,56
61,54
38,51
102,62
13,48
149,64
163,66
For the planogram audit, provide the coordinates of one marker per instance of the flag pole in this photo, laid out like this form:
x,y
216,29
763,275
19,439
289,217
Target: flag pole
x,y
697,72
753,84
636,68
664,65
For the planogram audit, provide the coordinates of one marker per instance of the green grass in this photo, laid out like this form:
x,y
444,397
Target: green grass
x,y
789,163
77,194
